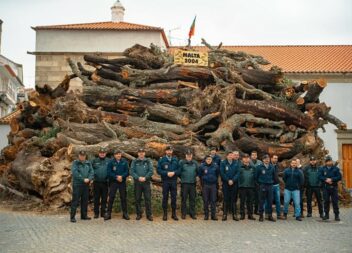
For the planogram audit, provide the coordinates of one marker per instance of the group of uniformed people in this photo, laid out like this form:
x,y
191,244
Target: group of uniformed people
x,y
255,182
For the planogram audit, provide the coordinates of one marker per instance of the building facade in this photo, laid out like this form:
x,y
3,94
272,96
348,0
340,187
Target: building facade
x,y
11,82
54,44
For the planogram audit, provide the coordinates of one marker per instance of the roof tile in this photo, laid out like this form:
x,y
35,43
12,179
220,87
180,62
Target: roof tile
x,y
300,59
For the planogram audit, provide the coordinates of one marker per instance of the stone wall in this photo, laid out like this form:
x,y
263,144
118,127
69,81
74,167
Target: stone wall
x,y
51,68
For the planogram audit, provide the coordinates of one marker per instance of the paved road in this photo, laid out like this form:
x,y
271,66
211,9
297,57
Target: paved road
x,y
23,232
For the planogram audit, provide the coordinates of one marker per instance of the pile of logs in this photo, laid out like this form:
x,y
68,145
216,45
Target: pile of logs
x,y
144,100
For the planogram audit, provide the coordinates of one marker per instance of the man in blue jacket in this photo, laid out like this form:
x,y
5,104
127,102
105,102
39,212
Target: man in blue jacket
x,y
209,173
117,173
168,169
228,170
82,176
142,172
100,184
330,175
265,177
294,180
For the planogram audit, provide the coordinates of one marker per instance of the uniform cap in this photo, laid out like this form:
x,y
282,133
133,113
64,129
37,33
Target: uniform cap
x,y
312,158
328,158
82,152
141,150
117,151
102,150
265,156
169,148
189,152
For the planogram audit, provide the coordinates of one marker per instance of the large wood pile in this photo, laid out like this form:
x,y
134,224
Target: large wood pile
x,y
144,100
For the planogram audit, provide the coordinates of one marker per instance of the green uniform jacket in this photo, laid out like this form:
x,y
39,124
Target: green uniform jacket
x,y
142,168
80,171
245,176
100,167
189,171
311,175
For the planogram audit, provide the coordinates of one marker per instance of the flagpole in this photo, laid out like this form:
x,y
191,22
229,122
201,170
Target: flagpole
x,y
191,31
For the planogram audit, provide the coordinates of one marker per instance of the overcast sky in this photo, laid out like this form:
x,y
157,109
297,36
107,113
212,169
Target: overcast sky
x,y
233,22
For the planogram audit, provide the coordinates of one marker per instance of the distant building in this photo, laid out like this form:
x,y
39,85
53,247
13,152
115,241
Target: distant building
x,y
11,82
109,39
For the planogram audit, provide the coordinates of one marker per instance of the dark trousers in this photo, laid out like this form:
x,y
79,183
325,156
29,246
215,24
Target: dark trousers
x,y
301,193
188,191
256,198
100,197
209,198
331,193
230,193
139,189
169,187
265,195
317,193
114,186
246,198
80,194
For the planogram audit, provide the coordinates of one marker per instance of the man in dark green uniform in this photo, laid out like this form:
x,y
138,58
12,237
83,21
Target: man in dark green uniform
x,y
189,170
82,176
245,179
313,185
255,162
117,173
100,183
142,172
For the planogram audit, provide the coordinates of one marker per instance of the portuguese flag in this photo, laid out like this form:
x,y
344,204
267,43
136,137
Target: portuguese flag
x,y
192,29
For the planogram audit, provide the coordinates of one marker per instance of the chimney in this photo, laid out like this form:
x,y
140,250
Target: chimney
x,y
117,12
0,33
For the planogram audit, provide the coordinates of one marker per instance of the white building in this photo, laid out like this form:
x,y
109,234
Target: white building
x,y
109,39
11,76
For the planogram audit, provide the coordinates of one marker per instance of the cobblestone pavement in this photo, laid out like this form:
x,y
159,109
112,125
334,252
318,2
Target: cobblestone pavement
x,y
26,232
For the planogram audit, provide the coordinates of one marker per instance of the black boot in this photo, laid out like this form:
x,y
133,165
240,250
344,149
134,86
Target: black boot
x,y
174,216
261,217
138,217
242,216
326,217
183,216
206,216
125,216
72,218
165,215
250,217
271,218
285,216
224,215
337,217
96,216
150,218
107,216
234,217
214,217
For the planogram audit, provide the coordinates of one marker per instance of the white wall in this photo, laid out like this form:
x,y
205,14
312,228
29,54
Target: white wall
x,y
94,41
339,97
4,131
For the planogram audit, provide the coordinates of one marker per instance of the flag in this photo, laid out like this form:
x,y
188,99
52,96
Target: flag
x,y
192,29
